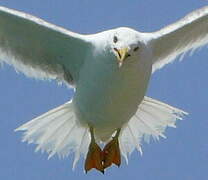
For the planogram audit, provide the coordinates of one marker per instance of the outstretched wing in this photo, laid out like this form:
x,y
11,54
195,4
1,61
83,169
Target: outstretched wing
x,y
187,34
40,49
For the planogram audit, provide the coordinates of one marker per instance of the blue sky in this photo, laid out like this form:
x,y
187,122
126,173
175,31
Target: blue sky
x,y
182,156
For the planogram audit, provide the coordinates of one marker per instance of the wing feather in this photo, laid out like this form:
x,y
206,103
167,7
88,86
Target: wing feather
x,y
185,35
40,49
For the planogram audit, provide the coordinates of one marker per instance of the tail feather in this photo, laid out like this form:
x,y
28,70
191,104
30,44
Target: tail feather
x,y
128,141
59,146
58,132
38,121
151,120
53,132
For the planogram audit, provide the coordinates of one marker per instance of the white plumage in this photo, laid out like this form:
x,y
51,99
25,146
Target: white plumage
x,y
176,39
110,92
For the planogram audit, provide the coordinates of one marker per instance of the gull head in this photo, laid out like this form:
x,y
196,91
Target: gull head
x,y
126,44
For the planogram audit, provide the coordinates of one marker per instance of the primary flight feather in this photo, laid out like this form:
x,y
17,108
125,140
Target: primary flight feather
x,y
110,71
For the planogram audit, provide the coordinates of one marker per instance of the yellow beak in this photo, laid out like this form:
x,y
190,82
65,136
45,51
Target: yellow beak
x,y
121,55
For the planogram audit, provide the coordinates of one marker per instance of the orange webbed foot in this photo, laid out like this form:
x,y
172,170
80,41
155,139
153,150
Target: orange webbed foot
x,y
94,158
111,153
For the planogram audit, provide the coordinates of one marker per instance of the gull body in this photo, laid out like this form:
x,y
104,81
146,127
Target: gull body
x,y
108,96
110,72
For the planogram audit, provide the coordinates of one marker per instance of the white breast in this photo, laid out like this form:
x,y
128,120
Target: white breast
x,y
107,97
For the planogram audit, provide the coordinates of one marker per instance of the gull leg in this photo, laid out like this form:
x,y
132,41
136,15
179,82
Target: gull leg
x,y
94,157
111,152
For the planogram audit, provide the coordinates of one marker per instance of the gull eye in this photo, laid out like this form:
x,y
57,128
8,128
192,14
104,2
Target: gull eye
x,y
136,48
115,39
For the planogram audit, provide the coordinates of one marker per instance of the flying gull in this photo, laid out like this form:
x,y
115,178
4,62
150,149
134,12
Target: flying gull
x,y
109,71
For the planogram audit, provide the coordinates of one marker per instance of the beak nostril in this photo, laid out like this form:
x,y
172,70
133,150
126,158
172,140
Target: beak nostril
x,y
117,52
